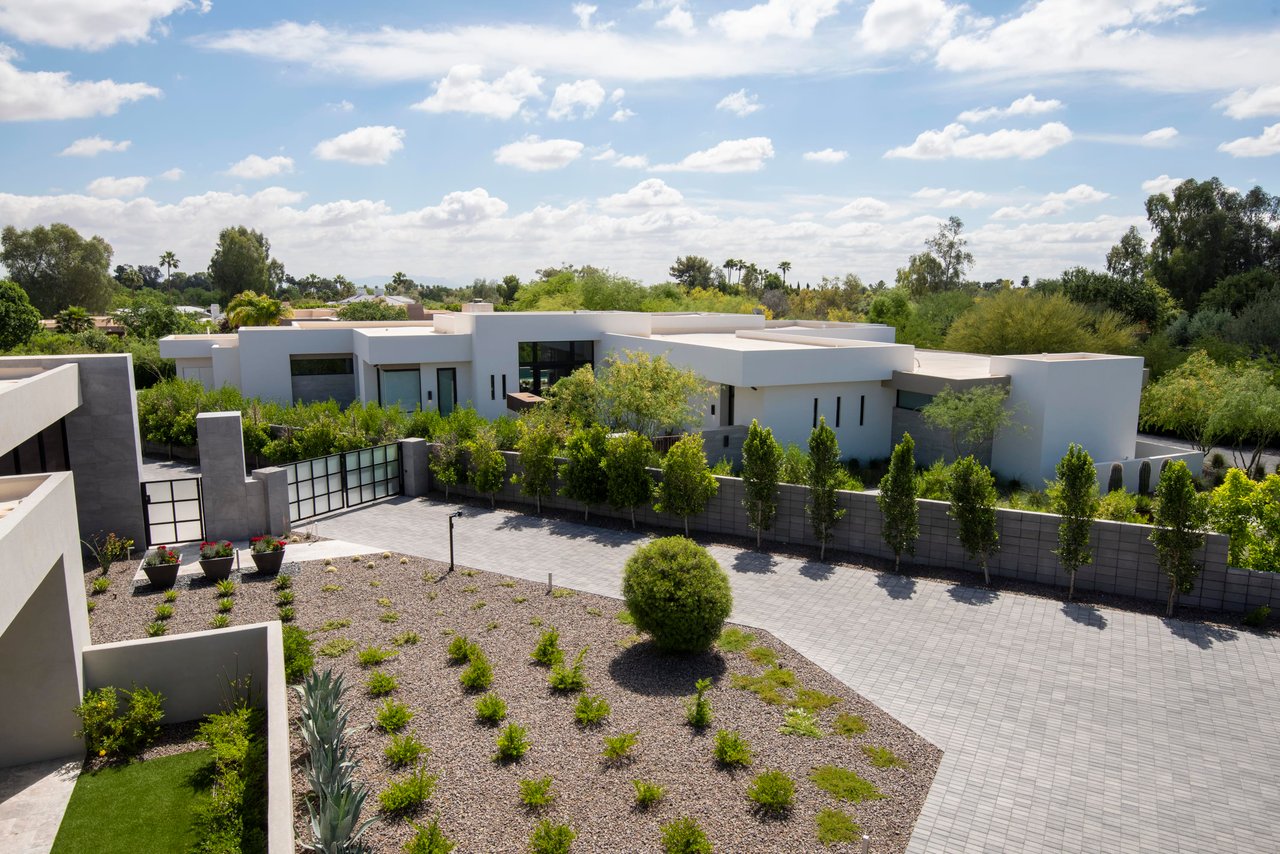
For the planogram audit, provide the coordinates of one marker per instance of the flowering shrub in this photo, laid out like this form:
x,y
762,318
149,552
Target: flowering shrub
x,y
266,543
209,551
162,556
106,732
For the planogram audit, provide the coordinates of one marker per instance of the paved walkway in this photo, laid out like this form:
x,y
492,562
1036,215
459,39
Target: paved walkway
x,y
33,799
1066,729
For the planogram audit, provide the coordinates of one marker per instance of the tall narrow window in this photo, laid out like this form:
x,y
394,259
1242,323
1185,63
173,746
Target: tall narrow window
x,y
504,386
837,411
815,413
493,395
862,410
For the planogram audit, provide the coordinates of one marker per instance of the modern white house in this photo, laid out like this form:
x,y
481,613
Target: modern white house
x,y
786,374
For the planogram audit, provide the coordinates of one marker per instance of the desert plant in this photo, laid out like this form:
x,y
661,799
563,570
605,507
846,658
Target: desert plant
x,y
881,757
101,584
513,743
171,596
164,612
800,722
617,748
408,793
647,794
109,550
372,656
537,793
550,838
479,673
393,716
225,587
286,614
226,604
591,710
298,658
491,709
219,621
677,593
698,710
731,749
284,597
283,582
404,750
429,840
684,836
835,826
843,784
380,684
849,725
156,629
772,792
569,679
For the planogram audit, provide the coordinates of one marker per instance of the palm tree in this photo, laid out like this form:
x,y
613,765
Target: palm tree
x,y
785,267
248,308
170,263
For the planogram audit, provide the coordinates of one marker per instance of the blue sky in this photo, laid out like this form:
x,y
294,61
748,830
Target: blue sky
x,y
452,142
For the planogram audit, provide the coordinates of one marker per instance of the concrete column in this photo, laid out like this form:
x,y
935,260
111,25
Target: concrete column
x,y
274,483
226,498
413,463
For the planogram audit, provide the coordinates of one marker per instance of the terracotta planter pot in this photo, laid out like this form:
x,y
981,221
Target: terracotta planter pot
x,y
217,568
162,574
268,563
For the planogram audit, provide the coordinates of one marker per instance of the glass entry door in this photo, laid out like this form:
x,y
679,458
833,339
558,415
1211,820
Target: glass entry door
x,y
446,389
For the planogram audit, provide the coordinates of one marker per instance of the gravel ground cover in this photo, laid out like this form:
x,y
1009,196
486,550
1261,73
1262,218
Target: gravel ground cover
x,y
376,599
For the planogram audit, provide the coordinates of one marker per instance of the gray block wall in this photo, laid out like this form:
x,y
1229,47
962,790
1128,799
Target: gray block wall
x,y
1124,558
235,506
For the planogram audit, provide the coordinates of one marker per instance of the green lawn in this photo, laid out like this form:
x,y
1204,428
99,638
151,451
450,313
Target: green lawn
x,y
143,806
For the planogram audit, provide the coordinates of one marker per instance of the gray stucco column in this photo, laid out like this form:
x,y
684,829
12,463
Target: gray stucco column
x,y
226,500
413,464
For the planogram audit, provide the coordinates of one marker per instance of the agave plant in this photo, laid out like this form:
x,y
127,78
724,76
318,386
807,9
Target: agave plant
x,y
335,821
324,720
335,815
328,766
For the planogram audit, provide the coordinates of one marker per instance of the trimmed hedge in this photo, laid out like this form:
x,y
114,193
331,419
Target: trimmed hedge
x,y
677,593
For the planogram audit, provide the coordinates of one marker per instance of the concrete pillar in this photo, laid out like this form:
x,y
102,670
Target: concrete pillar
x,y
274,483
413,464
227,506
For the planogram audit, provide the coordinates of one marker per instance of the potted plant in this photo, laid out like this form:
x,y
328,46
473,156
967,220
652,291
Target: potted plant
x,y
267,553
161,566
216,559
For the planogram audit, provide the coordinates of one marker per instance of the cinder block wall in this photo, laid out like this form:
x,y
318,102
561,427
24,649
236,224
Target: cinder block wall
x,y
1124,558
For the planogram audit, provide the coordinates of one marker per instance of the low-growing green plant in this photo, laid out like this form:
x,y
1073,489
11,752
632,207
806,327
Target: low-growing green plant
x,y
617,748
405,639
333,625
698,710
220,621
835,826
408,793
800,722
380,684
468,573
479,673
476,606
331,588
155,629
404,750
647,794
491,626
763,656
164,612
548,652
591,710
562,593
336,647
393,716
732,749
389,617
298,658
537,793
570,679
286,614
813,701
772,792
844,784
101,584
491,709
881,757
372,656
226,604
513,743
684,836
225,587
429,840
520,600
171,595
283,582
460,649
507,583
1258,617
549,838
384,602
536,622
90,605
849,725
284,597
471,588
626,617
595,612
735,640
767,686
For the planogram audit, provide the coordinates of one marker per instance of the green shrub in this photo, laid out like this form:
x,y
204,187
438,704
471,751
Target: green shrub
x,y
408,793
429,840
624,617
512,742
763,656
219,621
284,597
298,658
225,587
393,716
371,656
617,748
772,792
164,611
551,838
225,604
171,595
479,673
234,819
404,750
283,582
813,701
684,836
156,629
380,684
849,725
881,757
405,639
333,625
768,685
569,679
389,617
286,614
460,649
800,722
100,584
647,794
1258,617
336,647
677,593
1119,506
734,639
108,732
548,652
732,749
536,794
698,710
834,826
491,709
844,784
591,710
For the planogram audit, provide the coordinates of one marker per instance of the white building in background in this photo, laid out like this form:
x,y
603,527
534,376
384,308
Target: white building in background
x,y
786,374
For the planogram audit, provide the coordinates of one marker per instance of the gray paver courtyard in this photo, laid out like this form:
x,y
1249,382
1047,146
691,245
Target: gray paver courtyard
x,y
1066,728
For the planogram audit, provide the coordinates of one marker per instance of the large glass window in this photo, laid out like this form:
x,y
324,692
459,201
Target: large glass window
x,y
544,363
913,400
400,386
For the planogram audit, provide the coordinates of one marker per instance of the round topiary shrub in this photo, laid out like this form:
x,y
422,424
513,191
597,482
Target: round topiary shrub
x,y
677,593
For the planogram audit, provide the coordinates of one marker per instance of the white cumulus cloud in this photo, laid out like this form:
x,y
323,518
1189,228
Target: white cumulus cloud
x,y
621,115
92,146
678,19
366,146
739,103
38,95
1161,184
1264,145
943,198
794,19
864,207
826,155
1252,103
732,155
570,98
254,167
1027,105
534,154
623,161
1053,204
173,174
650,193
464,90
88,24
890,25
1160,136
117,188
955,140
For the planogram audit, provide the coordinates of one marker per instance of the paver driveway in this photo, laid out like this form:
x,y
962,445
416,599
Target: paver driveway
x,y
1065,728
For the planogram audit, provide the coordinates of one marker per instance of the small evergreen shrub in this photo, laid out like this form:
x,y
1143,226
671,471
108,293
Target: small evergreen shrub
x,y
156,629
548,652
406,794
647,794
429,840
881,757
225,604
372,656
772,792
393,716
571,679
617,748
677,593
336,647
109,732
298,658
591,710
286,614
800,722
684,836
460,649
491,709
732,749
404,750
698,710
405,639
835,826
171,595
849,725
479,673
100,584
164,611
536,794
225,587
1258,617
551,838
513,743
380,684
844,784
734,639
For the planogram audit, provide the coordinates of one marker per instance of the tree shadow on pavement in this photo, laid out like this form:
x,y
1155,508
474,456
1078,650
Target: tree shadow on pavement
x,y
758,563
1202,635
897,586
644,669
815,571
1085,615
972,595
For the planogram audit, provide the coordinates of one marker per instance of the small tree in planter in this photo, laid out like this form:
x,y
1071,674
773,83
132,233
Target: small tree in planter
x,y
687,484
583,476
1180,517
161,566
537,446
824,477
267,552
1076,501
488,465
626,467
216,559
972,490
761,464
897,500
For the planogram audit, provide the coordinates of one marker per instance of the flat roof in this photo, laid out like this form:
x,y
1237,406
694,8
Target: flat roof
x,y
951,365
731,341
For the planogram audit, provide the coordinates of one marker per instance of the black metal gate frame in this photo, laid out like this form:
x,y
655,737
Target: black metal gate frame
x,y
148,502
356,480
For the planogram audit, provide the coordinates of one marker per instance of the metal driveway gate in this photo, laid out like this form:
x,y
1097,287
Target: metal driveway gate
x,y
324,484
172,510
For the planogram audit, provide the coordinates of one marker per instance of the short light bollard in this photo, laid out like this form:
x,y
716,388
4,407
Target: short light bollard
x,y
866,844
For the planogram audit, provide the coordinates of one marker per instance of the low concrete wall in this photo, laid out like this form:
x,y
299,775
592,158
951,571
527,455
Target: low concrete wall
x,y
1124,558
192,671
